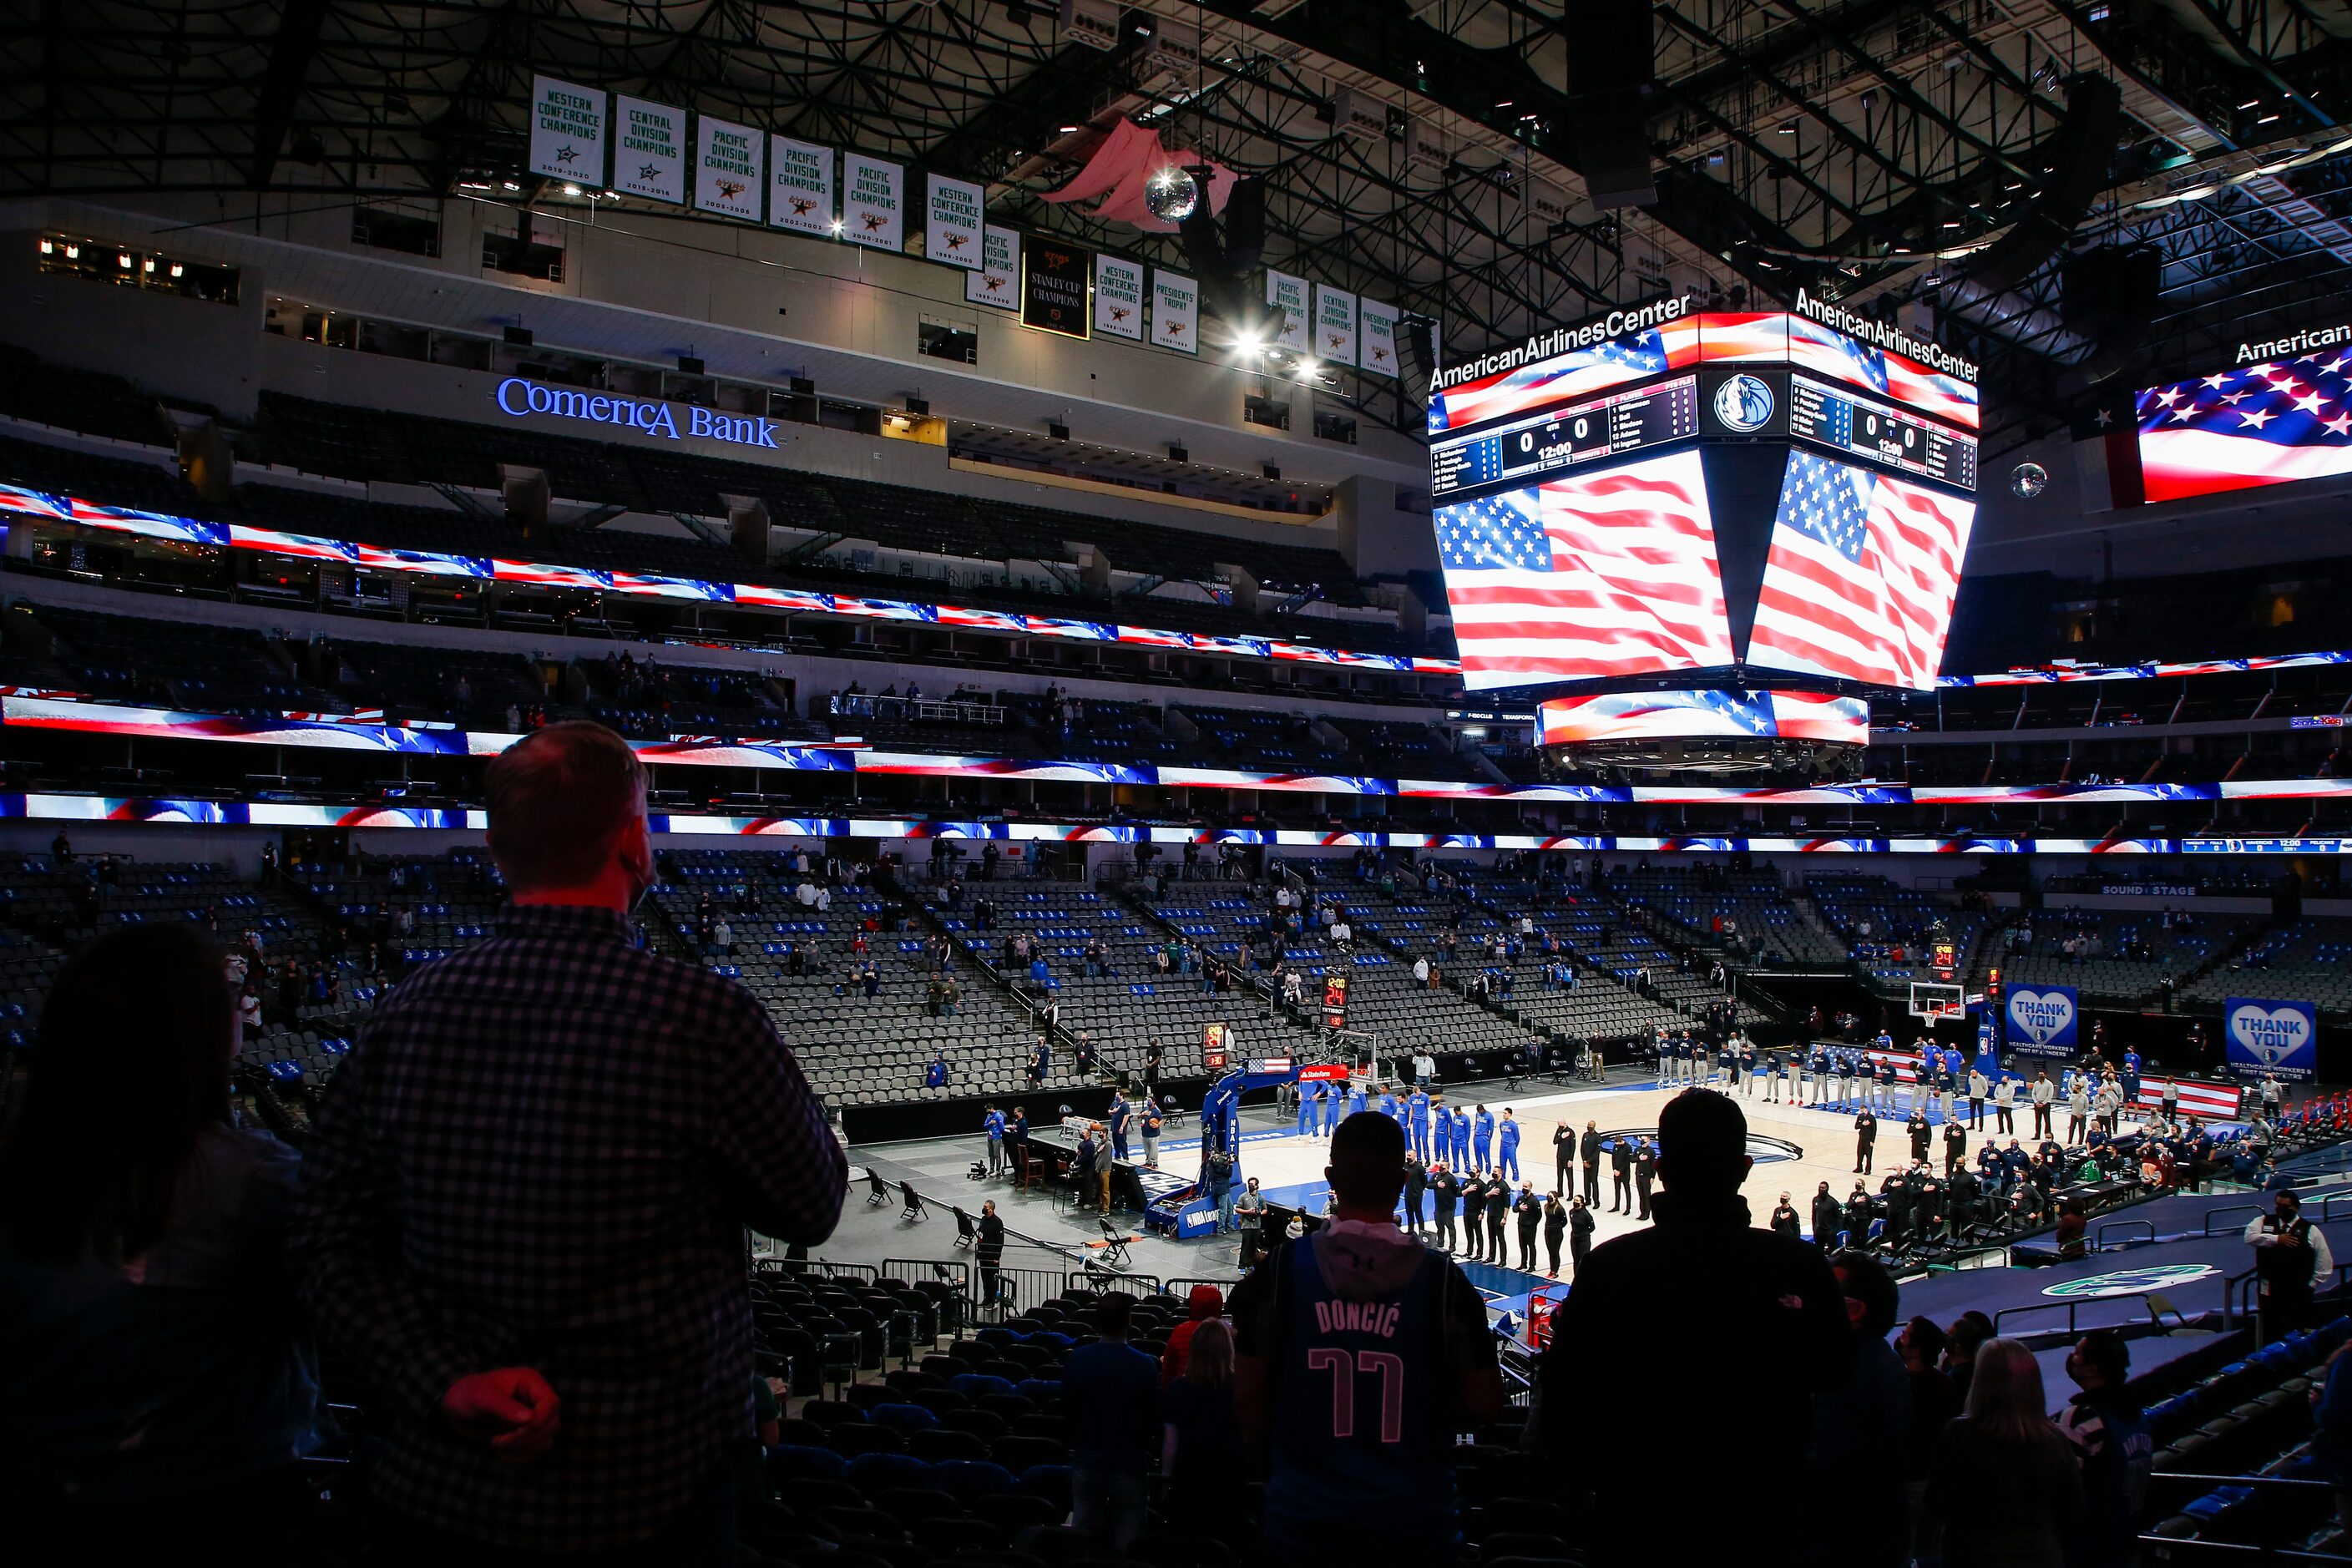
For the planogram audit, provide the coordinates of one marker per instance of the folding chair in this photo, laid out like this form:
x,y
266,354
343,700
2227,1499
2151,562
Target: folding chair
x,y
1114,1242
966,1233
914,1210
877,1191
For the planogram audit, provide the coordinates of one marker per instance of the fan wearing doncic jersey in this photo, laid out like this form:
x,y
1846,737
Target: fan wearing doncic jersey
x,y
1361,1353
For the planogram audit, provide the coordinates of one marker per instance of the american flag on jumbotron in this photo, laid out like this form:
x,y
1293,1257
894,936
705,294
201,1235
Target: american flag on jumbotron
x,y
1606,574
1548,381
1859,580
2235,429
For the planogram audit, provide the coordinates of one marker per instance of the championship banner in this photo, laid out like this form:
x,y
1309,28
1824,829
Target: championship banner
x,y
1378,352
2041,1021
800,177
997,281
1118,296
567,131
729,168
649,150
951,223
873,202
1175,312
2264,1036
1335,325
1288,295
1056,280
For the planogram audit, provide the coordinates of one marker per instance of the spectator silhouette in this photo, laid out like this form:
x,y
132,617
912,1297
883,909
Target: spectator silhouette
x,y
158,1371
525,1199
2004,1488
1203,1456
1361,1353
1860,1435
1112,1392
1698,1275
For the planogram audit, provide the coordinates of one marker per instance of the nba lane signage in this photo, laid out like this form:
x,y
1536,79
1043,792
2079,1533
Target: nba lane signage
x,y
519,398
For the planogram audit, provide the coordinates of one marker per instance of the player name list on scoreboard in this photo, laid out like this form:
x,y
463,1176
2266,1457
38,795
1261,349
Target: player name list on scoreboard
x,y
1868,428
1526,449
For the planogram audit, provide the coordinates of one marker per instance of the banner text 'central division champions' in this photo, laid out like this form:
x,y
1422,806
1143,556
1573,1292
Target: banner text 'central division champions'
x,y
1668,491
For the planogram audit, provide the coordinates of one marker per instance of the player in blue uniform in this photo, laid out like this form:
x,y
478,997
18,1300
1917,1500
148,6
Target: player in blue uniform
x,y
1389,1106
1416,1107
1359,1355
1440,1133
1332,1094
1507,1160
1482,1139
1310,1095
1462,1140
1356,1096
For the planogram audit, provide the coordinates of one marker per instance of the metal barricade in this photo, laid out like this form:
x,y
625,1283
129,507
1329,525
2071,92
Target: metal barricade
x,y
2099,1236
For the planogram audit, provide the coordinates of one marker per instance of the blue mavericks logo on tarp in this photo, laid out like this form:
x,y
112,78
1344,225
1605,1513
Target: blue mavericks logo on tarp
x,y
2042,1021
2266,1036
2132,1281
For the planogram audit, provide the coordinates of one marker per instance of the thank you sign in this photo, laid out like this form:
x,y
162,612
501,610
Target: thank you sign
x,y
2268,1036
2042,1021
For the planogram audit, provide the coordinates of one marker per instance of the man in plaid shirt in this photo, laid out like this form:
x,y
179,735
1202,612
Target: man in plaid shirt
x,y
525,1197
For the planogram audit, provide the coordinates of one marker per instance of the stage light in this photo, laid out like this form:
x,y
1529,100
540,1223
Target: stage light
x,y
571,190
1307,369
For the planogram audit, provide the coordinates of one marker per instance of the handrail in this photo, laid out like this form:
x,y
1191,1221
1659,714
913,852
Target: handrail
x,y
2099,1236
2231,1208
2072,1305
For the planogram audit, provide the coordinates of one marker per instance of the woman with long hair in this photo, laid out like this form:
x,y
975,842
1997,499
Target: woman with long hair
x,y
1202,1453
158,1370
2004,1486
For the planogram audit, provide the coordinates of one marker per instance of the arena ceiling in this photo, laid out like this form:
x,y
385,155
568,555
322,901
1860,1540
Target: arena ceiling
x,y
1860,147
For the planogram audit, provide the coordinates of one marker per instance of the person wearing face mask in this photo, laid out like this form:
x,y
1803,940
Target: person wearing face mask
x,y
602,1125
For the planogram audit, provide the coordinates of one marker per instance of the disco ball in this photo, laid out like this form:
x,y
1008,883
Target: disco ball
x,y
1171,196
2028,480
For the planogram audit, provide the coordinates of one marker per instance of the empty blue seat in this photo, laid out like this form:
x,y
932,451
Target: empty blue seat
x,y
873,1473
978,1386
905,1418
966,1479
792,1462
1040,1391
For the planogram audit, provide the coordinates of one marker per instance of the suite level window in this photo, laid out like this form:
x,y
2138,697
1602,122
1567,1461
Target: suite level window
x,y
97,261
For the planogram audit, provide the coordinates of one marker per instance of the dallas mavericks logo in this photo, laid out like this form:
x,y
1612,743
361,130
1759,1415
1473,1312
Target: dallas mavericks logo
x,y
2040,1015
2132,1281
2272,1034
1743,403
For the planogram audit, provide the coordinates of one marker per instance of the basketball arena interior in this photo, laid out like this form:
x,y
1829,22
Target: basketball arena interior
x,y
1200,572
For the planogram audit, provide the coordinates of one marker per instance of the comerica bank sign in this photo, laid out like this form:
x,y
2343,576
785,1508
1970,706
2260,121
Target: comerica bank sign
x,y
680,421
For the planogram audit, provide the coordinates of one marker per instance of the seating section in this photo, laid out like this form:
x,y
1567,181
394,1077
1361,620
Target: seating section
x,y
806,963
75,399
2304,958
1747,914
1890,930
180,664
2110,956
1130,1003
2251,1419
963,1448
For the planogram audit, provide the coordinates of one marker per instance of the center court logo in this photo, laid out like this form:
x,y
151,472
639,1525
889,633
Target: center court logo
x,y
2132,1281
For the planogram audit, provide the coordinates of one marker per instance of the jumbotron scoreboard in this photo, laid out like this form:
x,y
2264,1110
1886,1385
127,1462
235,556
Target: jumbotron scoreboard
x,y
1747,506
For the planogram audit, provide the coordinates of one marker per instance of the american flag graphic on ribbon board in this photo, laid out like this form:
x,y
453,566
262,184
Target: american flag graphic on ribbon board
x,y
1606,574
1859,580
2236,429
1548,381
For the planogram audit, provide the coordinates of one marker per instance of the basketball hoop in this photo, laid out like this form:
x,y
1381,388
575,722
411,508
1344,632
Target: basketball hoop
x,y
1933,1000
